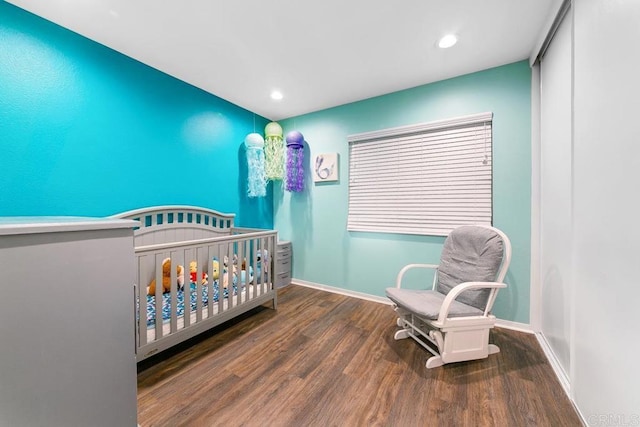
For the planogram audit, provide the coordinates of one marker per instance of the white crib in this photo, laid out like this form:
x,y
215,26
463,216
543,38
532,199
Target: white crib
x,y
187,234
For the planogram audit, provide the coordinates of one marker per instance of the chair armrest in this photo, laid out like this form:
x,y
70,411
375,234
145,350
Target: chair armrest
x,y
457,290
409,267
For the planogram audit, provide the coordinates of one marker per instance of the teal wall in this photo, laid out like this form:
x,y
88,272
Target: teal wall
x,y
85,130
315,220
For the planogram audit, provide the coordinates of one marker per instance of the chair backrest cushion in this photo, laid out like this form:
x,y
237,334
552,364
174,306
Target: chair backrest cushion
x,y
470,254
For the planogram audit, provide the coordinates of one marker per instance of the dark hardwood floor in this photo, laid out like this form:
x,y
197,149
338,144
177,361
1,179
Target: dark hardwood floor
x,y
324,359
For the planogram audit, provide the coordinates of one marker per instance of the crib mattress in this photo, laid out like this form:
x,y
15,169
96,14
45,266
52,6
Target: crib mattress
x,y
180,301
245,293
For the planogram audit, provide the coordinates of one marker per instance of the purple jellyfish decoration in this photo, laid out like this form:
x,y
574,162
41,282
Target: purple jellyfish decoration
x,y
295,157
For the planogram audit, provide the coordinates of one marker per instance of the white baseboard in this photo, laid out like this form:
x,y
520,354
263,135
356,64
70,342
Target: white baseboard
x,y
555,364
562,376
346,292
514,326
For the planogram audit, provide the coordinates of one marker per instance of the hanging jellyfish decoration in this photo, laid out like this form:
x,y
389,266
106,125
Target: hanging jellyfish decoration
x,y
295,157
273,152
257,182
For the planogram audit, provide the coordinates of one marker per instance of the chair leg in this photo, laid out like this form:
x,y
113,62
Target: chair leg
x,y
434,362
401,334
399,322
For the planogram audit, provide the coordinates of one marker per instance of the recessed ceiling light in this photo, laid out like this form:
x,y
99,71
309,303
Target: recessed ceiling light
x,y
276,95
447,41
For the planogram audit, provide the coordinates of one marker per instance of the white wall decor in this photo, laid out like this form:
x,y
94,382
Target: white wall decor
x,y
325,167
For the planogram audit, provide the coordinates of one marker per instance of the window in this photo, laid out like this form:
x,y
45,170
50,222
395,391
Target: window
x,y
421,179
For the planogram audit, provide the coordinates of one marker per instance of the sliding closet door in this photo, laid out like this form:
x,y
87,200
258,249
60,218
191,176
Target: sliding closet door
x,y
606,378
555,193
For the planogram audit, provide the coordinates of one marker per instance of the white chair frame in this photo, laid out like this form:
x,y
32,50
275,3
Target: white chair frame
x,y
455,339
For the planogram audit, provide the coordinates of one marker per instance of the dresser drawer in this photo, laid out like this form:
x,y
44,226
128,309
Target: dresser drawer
x,y
282,265
283,279
283,250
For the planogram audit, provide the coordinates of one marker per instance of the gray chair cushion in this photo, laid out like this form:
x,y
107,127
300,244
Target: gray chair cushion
x,y
427,304
470,254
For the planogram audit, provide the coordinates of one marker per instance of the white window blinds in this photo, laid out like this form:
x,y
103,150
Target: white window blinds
x,y
421,179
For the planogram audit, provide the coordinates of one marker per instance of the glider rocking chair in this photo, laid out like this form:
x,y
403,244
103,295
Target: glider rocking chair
x,y
452,320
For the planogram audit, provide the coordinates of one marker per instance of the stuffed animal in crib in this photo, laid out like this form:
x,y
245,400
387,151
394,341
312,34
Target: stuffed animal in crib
x,y
263,262
226,260
243,276
225,270
193,273
263,259
215,271
225,276
166,278
243,273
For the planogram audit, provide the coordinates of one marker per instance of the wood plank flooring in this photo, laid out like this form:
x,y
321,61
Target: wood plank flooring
x,y
324,359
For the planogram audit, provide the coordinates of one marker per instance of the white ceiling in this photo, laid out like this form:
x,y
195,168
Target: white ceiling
x,y
319,54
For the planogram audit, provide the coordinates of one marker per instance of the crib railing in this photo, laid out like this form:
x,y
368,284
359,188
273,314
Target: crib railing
x,y
213,297
173,223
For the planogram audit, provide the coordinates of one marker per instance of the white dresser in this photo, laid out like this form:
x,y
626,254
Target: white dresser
x,y
67,322
283,264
